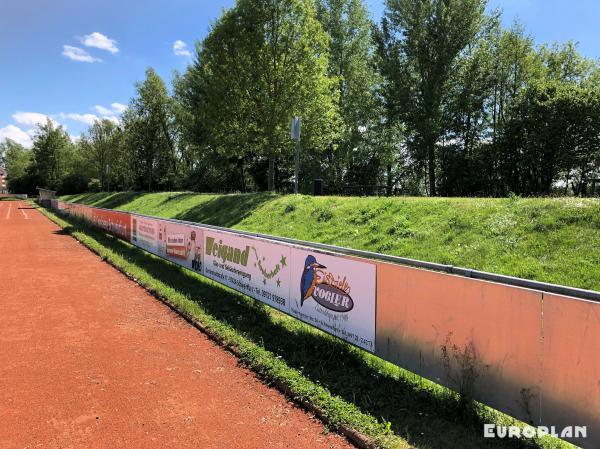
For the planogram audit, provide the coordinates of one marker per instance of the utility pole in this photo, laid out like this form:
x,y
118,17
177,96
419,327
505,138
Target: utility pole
x,y
295,135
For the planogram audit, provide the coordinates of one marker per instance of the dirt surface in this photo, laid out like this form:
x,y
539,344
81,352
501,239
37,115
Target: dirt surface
x,y
88,359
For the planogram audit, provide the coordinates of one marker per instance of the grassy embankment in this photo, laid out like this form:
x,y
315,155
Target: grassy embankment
x,y
551,240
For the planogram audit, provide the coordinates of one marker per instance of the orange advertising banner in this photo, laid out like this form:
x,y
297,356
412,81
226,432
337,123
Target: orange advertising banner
x,y
113,222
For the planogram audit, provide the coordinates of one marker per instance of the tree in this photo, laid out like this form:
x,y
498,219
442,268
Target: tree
x,y
100,147
262,63
213,116
516,65
463,150
564,63
51,150
422,41
16,159
554,129
352,68
149,133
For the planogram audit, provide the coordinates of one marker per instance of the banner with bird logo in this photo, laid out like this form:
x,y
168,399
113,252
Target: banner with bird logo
x,y
335,294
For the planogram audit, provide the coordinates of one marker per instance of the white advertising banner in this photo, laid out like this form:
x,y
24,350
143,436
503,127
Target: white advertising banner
x,y
144,233
181,244
335,294
255,267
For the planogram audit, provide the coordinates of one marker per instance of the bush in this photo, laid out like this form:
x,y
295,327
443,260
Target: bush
x,y
94,185
73,184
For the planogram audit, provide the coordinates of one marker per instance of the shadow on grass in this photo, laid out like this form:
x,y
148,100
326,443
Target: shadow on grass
x,y
418,412
217,210
107,201
223,210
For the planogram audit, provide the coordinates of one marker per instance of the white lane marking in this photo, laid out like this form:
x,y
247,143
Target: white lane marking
x,y
9,209
24,214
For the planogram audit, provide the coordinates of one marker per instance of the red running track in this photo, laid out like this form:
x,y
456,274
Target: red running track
x,y
88,359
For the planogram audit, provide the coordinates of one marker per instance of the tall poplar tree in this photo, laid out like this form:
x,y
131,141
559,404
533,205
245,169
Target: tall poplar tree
x,y
351,66
149,133
422,40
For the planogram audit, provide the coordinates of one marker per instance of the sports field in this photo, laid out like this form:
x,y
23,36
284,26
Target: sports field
x,y
89,359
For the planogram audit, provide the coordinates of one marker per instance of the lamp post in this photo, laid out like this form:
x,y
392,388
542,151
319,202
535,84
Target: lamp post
x,y
295,135
108,176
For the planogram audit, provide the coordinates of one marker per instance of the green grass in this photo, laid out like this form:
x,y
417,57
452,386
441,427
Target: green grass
x,y
391,406
554,240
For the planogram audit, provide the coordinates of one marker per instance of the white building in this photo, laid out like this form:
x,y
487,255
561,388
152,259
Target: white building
x,y
3,182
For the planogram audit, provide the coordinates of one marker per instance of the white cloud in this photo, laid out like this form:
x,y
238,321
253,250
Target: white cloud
x,y
16,134
99,40
88,119
115,109
112,113
102,110
118,107
30,118
112,118
180,49
78,54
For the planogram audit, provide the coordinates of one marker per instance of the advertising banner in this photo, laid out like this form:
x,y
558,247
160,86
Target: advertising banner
x,y
113,222
178,243
144,233
335,294
81,211
181,244
255,267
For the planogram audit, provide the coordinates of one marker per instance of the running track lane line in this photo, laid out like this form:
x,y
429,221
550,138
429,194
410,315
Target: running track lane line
x,y
90,359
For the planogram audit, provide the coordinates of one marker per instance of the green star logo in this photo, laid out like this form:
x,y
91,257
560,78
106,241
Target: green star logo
x,y
278,283
283,261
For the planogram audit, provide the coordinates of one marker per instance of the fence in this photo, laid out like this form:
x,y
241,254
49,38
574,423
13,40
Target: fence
x,y
522,347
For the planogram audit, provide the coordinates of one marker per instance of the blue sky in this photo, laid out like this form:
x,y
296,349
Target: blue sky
x,y
75,60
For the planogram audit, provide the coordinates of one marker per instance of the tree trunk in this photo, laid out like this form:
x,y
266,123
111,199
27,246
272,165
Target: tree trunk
x,y
150,177
242,175
271,175
431,167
